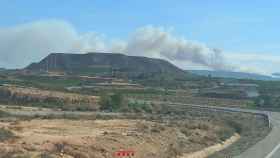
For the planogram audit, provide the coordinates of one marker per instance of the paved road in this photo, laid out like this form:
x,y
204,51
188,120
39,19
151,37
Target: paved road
x,y
269,147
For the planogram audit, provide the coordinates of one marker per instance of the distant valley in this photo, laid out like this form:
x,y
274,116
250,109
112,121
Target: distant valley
x,y
235,75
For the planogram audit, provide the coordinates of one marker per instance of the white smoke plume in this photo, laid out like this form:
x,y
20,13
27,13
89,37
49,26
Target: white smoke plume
x,y
161,43
23,44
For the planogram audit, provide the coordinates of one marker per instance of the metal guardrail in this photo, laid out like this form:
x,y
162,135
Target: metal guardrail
x,y
265,114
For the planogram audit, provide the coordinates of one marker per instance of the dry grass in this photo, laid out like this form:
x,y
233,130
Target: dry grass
x,y
37,97
101,138
43,94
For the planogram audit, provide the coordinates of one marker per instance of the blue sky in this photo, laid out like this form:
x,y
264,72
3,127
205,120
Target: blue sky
x,y
233,26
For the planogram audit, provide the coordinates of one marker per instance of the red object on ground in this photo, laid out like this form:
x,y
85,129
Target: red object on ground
x,y
124,153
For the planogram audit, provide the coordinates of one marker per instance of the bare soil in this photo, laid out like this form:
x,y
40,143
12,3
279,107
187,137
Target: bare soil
x,y
102,138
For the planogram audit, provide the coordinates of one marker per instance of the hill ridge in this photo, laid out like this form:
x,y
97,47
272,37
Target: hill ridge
x,y
104,64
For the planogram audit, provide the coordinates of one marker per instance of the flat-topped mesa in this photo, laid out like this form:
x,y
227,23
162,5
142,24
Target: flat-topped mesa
x,y
104,64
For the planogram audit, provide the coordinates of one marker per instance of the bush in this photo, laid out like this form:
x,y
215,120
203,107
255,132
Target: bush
x,y
4,114
155,130
105,102
236,126
140,107
113,102
5,134
46,155
186,132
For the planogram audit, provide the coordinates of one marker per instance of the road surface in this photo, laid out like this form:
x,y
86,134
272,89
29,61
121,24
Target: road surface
x,y
269,147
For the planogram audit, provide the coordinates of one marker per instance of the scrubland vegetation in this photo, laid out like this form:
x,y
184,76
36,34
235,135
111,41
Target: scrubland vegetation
x,y
65,121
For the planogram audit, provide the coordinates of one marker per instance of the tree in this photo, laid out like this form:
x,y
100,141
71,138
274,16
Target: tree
x,y
105,102
112,102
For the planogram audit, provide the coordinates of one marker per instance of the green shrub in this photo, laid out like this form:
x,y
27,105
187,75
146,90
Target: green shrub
x,y
186,132
113,102
155,130
236,126
3,114
5,134
46,155
225,133
140,107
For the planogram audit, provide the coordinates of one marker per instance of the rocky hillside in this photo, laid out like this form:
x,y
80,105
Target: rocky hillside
x,y
106,64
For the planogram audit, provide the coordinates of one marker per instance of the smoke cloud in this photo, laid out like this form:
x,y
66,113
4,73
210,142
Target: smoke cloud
x,y
23,44
161,43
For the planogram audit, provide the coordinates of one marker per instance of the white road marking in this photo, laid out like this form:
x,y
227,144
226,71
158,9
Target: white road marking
x,y
273,151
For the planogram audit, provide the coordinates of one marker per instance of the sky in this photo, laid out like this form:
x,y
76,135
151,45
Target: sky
x,y
239,35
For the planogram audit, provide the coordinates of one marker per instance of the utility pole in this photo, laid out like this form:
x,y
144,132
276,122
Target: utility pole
x,y
47,65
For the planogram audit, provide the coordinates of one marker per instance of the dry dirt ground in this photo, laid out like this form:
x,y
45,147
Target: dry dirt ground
x,y
102,138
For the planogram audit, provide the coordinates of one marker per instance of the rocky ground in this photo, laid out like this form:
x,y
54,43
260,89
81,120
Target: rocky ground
x,y
102,138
